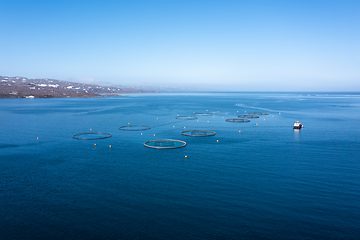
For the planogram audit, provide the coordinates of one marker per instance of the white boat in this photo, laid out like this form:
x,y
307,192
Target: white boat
x,y
297,125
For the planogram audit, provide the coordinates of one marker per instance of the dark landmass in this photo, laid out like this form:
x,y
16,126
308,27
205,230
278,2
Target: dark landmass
x,y
21,87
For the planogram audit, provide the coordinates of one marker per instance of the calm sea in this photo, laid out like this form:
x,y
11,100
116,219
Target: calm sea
x,y
267,181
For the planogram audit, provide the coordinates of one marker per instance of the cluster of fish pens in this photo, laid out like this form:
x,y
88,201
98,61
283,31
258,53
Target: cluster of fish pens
x,y
170,143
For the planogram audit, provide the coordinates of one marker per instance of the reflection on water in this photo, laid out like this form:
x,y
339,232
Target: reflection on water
x,y
297,134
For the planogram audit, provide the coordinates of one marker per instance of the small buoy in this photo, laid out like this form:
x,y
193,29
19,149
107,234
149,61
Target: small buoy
x,y
173,126
110,146
37,138
208,121
95,144
128,123
279,113
239,131
245,111
256,124
264,119
184,127
272,115
185,156
217,140
157,118
154,135
237,111
197,120
90,129
141,133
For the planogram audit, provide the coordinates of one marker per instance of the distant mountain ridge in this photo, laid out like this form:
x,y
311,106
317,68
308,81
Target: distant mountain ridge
x,y
21,87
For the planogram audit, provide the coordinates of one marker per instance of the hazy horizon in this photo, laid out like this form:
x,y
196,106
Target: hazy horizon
x,y
203,45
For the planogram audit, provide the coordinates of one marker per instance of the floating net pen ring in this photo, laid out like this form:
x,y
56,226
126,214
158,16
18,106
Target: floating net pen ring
x,y
238,120
202,114
217,112
165,144
134,128
186,117
101,136
258,113
248,116
198,133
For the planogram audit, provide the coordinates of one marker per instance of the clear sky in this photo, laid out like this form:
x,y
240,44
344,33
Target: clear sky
x,y
290,45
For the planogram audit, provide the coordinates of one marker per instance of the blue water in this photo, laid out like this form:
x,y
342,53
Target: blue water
x,y
267,181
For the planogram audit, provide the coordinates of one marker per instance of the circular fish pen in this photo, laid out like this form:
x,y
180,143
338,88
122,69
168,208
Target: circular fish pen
x,y
258,113
165,144
91,136
202,114
237,120
248,116
186,117
217,112
134,128
198,133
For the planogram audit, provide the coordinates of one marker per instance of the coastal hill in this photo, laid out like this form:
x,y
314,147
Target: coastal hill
x,y
21,87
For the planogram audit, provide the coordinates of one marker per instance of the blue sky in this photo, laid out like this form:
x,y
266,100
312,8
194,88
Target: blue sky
x,y
219,45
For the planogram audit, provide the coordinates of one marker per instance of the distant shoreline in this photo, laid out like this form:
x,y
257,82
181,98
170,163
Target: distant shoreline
x,y
47,96
20,87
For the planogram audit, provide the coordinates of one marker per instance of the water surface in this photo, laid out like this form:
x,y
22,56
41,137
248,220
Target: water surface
x,y
265,181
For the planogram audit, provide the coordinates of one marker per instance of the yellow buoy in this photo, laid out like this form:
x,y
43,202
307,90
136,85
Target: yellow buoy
x,y
110,146
37,138
95,144
239,131
256,124
264,119
128,123
185,156
154,135
217,140
90,129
